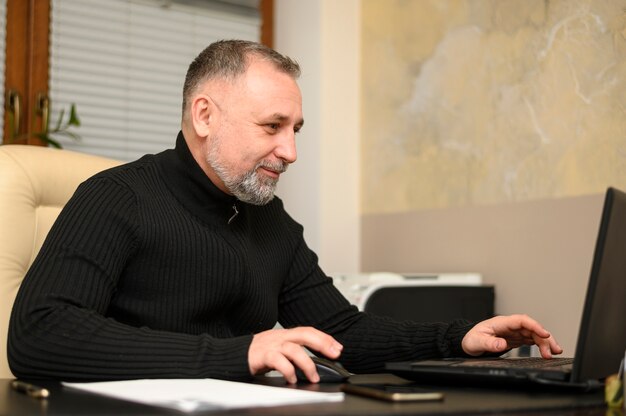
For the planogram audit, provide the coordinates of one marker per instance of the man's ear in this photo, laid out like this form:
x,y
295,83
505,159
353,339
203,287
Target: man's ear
x,y
202,114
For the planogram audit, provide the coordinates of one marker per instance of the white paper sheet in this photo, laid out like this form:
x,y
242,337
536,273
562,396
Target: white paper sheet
x,y
189,395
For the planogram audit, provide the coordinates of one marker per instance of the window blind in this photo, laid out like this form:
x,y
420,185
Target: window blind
x,y
123,63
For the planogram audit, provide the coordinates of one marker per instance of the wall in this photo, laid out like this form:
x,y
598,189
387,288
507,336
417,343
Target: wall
x,y
537,253
321,190
471,102
528,223
491,128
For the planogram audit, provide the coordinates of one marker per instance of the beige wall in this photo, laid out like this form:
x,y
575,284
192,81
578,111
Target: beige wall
x,y
437,215
490,129
472,102
537,253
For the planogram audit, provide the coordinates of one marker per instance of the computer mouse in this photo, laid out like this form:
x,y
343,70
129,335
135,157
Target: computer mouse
x,y
329,371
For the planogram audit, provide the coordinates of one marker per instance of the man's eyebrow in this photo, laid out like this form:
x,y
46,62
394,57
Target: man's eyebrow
x,y
282,117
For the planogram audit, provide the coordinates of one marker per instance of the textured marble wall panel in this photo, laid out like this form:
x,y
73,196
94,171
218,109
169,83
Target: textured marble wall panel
x,y
487,101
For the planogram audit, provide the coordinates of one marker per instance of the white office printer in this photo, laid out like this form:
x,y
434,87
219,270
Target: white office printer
x,y
358,288
419,296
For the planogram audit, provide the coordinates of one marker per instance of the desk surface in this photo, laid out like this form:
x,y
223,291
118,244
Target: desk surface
x,y
457,400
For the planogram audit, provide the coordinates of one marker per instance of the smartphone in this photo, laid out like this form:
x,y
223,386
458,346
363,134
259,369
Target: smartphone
x,y
393,392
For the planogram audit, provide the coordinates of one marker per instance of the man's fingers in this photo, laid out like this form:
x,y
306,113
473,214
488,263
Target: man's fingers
x,y
555,346
547,346
502,332
315,340
534,333
498,345
476,345
288,360
282,349
281,364
529,326
300,359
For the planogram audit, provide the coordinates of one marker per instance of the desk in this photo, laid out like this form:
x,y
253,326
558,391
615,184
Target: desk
x,y
464,401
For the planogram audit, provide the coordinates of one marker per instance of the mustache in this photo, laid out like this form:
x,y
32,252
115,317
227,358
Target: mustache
x,y
278,167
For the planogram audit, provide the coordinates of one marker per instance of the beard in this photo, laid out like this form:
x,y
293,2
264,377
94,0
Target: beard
x,y
250,186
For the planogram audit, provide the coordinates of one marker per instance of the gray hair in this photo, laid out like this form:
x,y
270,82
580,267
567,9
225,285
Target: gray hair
x,y
228,59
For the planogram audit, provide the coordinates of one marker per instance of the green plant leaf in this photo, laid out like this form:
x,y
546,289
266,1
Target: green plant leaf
x,y
72,135
74,120
54,143
61,129
59,120
47,139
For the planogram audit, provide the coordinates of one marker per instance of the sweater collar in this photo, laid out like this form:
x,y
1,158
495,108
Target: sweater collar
x,y
192,187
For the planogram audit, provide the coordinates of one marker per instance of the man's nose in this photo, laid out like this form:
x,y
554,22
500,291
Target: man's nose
x,y
286,148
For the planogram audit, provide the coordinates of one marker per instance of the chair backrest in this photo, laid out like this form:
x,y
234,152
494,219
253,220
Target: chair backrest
x,y
35,184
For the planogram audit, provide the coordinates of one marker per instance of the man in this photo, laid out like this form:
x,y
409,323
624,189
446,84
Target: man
x,y
180,264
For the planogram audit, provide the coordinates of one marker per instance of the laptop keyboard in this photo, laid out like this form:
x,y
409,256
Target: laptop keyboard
x,y
529,362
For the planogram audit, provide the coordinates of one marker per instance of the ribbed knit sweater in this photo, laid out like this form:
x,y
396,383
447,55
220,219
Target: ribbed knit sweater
x,y
148,273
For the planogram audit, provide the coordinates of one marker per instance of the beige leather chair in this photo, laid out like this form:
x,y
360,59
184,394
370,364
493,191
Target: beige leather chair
x,y
35,183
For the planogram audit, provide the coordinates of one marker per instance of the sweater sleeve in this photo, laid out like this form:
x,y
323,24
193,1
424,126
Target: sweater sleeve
x,y
59,326
310,298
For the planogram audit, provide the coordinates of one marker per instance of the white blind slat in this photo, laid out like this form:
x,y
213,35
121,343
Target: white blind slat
x,y
123,62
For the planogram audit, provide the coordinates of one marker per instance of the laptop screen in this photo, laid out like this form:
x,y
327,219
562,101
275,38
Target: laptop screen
x,y
602,337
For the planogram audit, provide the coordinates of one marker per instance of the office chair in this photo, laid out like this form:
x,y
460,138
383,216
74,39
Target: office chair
x,y
35,183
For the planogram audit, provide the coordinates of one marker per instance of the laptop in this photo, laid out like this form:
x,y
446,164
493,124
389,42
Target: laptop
x,y
601,338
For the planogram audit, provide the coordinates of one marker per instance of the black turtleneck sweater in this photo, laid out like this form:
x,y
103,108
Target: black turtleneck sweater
x,y
148,273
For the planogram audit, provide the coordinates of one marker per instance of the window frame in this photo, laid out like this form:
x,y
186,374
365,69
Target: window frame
x,y
27,62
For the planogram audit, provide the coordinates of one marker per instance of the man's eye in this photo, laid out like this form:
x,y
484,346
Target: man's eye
x,y
273,126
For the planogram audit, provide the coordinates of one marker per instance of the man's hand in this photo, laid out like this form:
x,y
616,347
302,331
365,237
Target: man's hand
x,y
504,332
282,350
